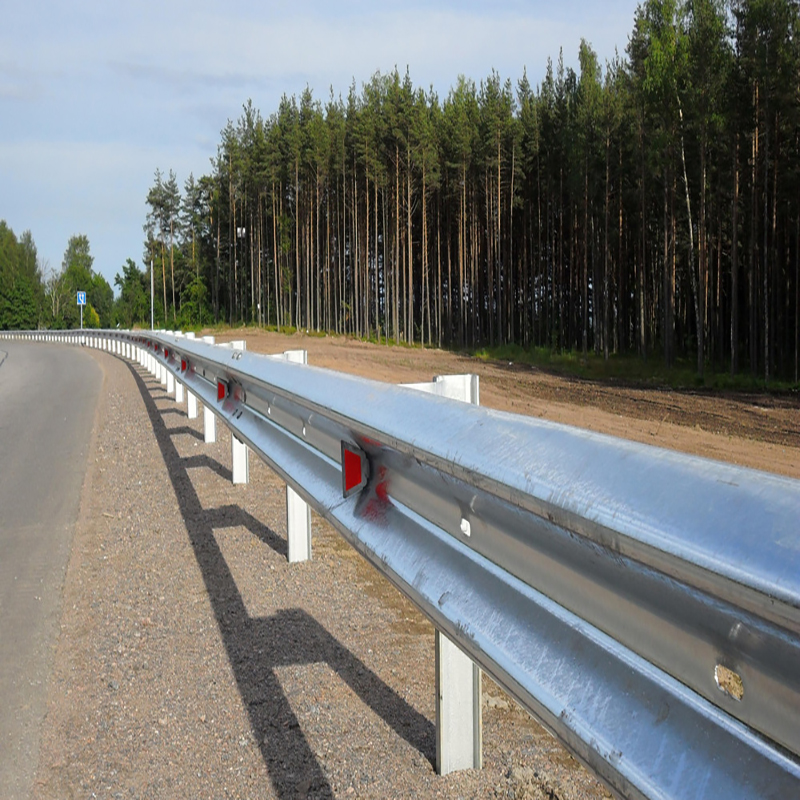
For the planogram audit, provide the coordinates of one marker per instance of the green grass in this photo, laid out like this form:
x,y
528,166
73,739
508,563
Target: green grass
x,y
621,369
630,369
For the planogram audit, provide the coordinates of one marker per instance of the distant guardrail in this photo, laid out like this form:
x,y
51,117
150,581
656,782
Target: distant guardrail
x,y
642,603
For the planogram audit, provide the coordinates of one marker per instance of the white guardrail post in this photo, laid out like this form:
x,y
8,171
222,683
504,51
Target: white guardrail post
x,y
191,399
209,418
459,724
240,460
298,512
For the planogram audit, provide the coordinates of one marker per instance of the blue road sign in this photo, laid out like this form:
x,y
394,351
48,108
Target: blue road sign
x,y
81,298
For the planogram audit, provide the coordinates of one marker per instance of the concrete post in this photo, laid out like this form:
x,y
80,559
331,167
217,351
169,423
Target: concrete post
x,y
298,512
209,420
459,728
240,461
298,526
209,426
240,455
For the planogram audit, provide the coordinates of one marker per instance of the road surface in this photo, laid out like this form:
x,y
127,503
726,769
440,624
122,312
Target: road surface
x,y
48,396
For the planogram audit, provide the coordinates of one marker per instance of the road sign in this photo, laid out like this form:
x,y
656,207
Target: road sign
x,y
81,298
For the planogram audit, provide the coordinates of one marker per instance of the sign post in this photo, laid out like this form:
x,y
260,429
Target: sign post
x,y
81,303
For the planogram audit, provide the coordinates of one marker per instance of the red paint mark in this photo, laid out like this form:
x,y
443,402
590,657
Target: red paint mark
x,y
377,505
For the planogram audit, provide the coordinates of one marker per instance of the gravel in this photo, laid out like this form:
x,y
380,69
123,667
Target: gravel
x,y
195,662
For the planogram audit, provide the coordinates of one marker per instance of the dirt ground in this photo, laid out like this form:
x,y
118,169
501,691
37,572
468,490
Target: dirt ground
x,y
761,431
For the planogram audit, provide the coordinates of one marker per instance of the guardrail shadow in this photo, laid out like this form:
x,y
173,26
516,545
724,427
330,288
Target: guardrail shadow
x,y
257,647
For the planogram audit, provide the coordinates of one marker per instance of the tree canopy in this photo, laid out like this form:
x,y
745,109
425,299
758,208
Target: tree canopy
x,y
647,205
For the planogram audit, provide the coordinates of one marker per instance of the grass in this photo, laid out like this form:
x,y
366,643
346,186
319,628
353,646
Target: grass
x,y
631,369
623,369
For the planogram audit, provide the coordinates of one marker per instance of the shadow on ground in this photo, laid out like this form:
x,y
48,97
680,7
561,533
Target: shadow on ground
x,y
257,647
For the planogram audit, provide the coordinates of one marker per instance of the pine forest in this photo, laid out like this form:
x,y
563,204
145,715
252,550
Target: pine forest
x,y
649,205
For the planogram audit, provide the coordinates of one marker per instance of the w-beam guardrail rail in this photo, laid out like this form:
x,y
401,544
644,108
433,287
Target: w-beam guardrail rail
x,y
642,603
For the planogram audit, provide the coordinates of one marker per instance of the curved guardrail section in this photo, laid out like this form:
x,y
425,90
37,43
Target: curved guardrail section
x,y
643,604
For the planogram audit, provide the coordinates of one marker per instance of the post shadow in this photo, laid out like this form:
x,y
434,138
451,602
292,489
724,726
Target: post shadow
x,y
195,462
186,430
236,517
174,410
256,647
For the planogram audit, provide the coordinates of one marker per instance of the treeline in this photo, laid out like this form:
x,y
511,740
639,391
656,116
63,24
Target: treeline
x,y
34,297
648,205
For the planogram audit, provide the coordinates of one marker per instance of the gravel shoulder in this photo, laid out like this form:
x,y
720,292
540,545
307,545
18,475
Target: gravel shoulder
x,y
195,662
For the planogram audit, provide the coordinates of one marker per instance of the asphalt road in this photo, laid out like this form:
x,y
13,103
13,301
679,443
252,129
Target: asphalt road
x,y
48,396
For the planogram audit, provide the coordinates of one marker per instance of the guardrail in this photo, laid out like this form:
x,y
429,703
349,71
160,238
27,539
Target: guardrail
x,y
643,604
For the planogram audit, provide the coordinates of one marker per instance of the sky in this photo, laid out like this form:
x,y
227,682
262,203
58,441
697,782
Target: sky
x,y
95,96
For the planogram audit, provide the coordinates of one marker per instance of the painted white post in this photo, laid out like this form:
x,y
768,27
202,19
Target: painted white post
x,y
178,391
240,455
298,526
209,420
240,461
459,728
298,512
163,371
209,426
170,381
191,400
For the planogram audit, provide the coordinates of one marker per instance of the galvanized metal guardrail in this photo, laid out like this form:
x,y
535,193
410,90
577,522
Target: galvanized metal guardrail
x,y
643,604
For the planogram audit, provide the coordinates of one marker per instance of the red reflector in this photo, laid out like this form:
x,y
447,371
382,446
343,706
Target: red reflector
x,y
222,390
183,365
166,353
355,469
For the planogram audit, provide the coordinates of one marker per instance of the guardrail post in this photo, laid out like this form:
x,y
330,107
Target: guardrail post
x,y
298,512
191,400
459,725
209,419
240,458
240,461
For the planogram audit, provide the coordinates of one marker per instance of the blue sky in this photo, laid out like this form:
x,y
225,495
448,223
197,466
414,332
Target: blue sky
x,y
94,96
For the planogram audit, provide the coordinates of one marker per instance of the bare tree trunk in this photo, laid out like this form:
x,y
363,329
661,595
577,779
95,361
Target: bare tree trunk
x,y
409,252
605,258
696,291
735,261
172,267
